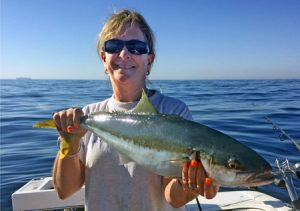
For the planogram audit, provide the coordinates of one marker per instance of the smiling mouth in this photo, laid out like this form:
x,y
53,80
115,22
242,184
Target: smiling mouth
x,y
125,66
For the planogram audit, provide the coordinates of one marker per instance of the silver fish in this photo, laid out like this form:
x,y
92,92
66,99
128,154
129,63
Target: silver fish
x,y
161,143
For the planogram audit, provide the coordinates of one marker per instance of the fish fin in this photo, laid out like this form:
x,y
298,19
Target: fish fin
x,y
124,159
194,155
178,162
64,145
45,124
144,105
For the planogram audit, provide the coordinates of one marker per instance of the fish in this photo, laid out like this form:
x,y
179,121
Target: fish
x,y
161,143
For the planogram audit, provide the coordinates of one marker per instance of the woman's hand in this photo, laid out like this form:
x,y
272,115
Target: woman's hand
x,y
68,174
195,180
68,124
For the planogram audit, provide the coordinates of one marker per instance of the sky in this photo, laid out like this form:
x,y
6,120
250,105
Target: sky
x,y
195,39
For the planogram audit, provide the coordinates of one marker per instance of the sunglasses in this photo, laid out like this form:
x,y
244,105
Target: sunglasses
x,y
135,47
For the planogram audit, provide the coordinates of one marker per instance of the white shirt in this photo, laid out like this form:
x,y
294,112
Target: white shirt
x,y
111,186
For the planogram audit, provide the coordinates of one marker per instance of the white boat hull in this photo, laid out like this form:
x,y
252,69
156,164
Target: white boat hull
x,y
39,194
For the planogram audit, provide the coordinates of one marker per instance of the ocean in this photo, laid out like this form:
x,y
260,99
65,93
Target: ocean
x,y
235,107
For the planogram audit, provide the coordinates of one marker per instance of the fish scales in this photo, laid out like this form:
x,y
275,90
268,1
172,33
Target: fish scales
x,y
149,131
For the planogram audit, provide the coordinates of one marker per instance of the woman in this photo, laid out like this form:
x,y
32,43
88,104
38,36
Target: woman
x,y
126,48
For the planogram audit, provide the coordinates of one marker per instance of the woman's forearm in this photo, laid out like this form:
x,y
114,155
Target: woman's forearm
x,y
68,175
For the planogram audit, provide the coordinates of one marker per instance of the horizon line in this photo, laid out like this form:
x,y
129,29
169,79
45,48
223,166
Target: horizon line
x,y
208,79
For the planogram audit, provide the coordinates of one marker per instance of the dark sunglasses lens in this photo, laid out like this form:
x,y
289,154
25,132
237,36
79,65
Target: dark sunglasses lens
x,y
113,46
137,47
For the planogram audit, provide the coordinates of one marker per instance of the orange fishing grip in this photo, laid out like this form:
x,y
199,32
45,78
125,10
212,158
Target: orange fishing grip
x,y
194,163
208,181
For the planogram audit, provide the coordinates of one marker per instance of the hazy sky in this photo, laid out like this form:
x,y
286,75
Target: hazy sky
x,y
196,39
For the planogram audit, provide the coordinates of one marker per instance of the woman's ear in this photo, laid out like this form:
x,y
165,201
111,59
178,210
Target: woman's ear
x,y
103,59
151,58
103,56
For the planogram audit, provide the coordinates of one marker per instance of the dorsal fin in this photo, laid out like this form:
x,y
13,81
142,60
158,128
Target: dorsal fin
x,y
144,105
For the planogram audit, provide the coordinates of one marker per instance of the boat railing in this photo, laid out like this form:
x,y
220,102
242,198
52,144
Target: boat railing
x,y
286,169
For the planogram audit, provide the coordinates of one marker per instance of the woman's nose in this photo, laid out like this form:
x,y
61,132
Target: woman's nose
x,y
124,53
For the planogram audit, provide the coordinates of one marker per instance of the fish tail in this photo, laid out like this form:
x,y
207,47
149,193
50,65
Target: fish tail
x,y
64,144
45,124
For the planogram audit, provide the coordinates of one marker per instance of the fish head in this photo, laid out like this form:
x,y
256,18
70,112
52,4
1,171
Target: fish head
x,y
238,166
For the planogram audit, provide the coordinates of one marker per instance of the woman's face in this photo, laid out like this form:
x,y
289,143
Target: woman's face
x,y
124,67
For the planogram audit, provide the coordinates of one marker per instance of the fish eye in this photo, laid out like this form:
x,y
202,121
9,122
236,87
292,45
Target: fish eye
x,y
233,163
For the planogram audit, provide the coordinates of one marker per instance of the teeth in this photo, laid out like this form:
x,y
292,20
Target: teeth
x,y
125,67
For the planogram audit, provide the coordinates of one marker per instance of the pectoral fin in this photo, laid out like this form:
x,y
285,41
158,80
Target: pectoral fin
x,y
178,162
124,159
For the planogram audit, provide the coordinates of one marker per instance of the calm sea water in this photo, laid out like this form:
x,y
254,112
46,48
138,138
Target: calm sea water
x,y
237,108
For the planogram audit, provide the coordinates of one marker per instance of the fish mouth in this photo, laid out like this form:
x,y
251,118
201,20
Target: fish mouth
x,y
260,178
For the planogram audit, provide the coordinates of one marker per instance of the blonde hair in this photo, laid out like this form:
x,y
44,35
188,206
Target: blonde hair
x,y
116,24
